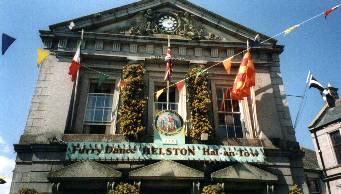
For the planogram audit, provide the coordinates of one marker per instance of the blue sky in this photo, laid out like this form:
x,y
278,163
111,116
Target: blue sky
x,y
315,45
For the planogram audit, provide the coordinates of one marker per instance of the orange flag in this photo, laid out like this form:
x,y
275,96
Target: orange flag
x,y
245,78
227,65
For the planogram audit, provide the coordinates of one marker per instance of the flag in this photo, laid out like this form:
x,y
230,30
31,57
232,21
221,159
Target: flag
x,y
101,78
42,54
121,84
200,71
7,41
158,93
72,25
328,11
255,42
180,85
287,31
169,65
313,83
227,65
245,78
75,64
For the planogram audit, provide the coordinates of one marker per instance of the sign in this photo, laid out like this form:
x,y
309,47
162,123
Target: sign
x,y
150,151
169,128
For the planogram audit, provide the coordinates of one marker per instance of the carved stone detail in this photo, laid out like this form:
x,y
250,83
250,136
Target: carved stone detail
x,y
187,26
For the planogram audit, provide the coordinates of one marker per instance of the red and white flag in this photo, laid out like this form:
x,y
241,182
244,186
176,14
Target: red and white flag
x,y
328,11
75,64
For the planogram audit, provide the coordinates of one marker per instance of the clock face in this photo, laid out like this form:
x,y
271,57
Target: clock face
x,y
168,23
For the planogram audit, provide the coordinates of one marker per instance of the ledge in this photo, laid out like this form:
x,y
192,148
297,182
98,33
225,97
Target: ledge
x,y
117,138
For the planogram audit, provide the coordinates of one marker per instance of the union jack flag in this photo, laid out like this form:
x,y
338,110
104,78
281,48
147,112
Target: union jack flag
x,y
169,65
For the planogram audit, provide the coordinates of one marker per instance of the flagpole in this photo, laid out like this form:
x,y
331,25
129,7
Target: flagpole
x,y
168,78
75,87
301,106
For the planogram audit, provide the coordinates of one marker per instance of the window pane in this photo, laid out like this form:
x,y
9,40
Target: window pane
x,y
235,106
236,119
100,101
89,114
98,115
107,115
229,119
108,101
219,93
336,137
239,132
231,133
91,101
228,106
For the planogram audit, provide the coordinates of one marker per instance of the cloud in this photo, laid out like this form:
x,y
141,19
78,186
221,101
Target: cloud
x,y
4,147
6,168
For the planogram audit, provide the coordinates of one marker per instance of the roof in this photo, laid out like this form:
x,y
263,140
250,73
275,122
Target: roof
x,y
327,115
121,13
166,170
310,159
244,172
85,170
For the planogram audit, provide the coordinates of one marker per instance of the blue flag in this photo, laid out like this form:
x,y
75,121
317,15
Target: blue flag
x,y
6,42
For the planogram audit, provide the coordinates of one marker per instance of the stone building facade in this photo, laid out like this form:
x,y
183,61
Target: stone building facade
x,y
326,135
60,115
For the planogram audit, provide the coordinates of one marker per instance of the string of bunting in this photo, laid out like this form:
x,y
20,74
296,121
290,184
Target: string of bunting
x,y
228,62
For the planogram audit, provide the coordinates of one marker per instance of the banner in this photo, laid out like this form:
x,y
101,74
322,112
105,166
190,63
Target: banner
x,y
104,151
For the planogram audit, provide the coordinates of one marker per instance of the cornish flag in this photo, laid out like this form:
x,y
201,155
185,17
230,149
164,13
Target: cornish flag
x,y
169,65
75,64
313,83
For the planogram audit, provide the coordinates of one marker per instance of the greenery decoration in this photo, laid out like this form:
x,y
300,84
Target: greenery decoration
x,y
199,100
295,190
212,189
125,188
132,101
27,191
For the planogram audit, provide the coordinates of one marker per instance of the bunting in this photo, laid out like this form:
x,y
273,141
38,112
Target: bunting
x,y
7,41
292,28
180,85
245,78
42,54
121,84
227,65
158,94
101,79
328,11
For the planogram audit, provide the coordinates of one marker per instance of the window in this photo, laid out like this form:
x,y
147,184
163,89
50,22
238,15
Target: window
x,y
313,186
98,113
228,115
336,141
160,103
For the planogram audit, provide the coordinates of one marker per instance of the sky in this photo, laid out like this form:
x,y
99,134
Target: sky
x,y
316,45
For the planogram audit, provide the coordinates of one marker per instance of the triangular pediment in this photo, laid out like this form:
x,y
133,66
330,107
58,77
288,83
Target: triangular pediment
x,y
156,18
243,172
166,170
85,170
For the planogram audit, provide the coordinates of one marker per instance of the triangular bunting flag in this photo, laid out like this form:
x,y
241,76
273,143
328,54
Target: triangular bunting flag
x,y
121,84
72,25
158,93
328,11
200,71
227,65
287,31
180,85
101,78
6,42
42,54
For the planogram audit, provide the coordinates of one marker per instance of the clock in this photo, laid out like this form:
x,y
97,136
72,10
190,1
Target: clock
x,y
168,23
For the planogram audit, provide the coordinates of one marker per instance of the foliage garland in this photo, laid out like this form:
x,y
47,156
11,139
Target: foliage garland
x,y
199,100
132,101
212,189
295,190
28,191
125,188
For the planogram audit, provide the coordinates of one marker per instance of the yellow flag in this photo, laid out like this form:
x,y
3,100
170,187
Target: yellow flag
x,y
227,65
42,54
287,31
158,93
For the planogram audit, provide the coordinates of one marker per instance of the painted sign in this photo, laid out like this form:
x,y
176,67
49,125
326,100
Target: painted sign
x,y
169,128
149,151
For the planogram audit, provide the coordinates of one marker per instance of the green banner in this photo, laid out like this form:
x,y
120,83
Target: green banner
x,y
104,151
